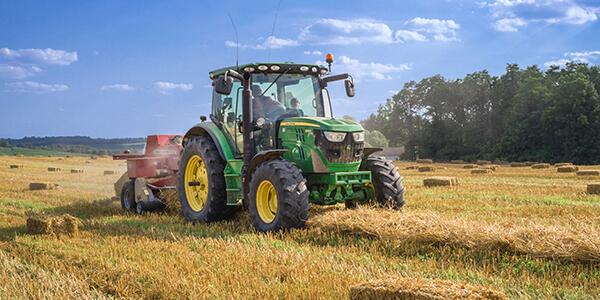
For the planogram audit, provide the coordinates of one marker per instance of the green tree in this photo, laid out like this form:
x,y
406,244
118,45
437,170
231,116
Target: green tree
x,y
375,138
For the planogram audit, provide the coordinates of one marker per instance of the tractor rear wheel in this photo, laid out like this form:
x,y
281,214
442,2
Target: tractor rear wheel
x,y
201,182
278,196
128,196
386,181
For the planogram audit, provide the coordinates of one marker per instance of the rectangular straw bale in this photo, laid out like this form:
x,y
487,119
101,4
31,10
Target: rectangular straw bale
x,y
470,166
567,169
489,167
16,166
53,169
109,172
440,181
426,169
424,161
483,162
422,289
540,166
76,171
34,186
53,225
517,164
457,161
588,173
593,188
411,168
530,163
562,164
481,171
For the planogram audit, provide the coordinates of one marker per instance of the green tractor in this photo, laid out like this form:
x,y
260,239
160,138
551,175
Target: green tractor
x,y
272,146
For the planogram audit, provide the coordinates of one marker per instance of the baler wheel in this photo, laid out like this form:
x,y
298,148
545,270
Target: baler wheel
x,y
278,196
128,196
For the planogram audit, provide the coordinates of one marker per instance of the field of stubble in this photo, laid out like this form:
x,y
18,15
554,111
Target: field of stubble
x,y
528,233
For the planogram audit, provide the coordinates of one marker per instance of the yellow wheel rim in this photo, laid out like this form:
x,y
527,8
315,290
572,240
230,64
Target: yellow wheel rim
x,y
266,201
196,183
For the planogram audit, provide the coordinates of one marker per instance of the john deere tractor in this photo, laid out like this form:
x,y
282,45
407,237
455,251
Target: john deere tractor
x,y
273,146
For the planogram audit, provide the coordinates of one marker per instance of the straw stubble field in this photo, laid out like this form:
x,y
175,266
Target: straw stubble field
x,y
528,233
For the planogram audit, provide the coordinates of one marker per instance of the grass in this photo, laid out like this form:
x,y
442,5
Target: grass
x,y
525,232
35,152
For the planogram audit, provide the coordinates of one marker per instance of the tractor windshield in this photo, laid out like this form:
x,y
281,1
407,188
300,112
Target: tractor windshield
x,y
277,96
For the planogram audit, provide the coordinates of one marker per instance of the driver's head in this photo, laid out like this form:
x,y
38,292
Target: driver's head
x,y
256,90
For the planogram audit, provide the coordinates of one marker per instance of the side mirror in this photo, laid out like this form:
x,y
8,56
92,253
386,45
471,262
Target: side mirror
x,y
349,87
223,85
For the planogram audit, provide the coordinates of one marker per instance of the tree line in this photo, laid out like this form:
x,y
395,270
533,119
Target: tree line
x,y
522,115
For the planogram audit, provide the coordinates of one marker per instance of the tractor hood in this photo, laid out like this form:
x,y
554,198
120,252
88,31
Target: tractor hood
x,y
327,124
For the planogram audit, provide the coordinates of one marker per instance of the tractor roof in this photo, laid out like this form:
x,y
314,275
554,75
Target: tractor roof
x,y
271,67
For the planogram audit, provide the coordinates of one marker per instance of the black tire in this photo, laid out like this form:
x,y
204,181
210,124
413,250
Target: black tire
x,y
387,182
292,195
139,208
128,196
215,207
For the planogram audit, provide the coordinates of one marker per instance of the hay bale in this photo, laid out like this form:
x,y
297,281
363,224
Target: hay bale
x,y
470,166
73,171
422,289
109,172
588,173
483,162
567,169
517,164
490,167
593,188
411,168
34,186
424,161
562,164
53,225
540,166
530,163
481,171
426,169
93,157
16,166
457,161
440,181
53,169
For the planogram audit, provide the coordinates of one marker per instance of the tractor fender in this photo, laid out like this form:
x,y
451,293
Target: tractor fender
x,y
210,129
261,157
368,151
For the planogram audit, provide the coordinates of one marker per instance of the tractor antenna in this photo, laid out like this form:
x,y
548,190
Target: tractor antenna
x,y
273,28
237,42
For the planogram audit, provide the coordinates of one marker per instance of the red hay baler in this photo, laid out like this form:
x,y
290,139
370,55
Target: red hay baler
x,y
150,173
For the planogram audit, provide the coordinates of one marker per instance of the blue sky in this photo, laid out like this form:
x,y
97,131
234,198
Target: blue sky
x,y
132,68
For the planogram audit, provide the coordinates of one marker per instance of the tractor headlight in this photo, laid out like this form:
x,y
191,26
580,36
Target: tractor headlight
x,y
359,136
334,137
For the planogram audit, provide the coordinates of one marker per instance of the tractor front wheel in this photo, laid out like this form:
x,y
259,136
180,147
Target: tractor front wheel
x,y
386,181
278,196
201,182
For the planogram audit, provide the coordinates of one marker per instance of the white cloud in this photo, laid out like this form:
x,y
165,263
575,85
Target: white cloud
x,y
442,30
168,87
509,24
46,56
18,71
407,35
346,32
270,42
35,87
539,11
314,52
577,57
117,87
367,71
